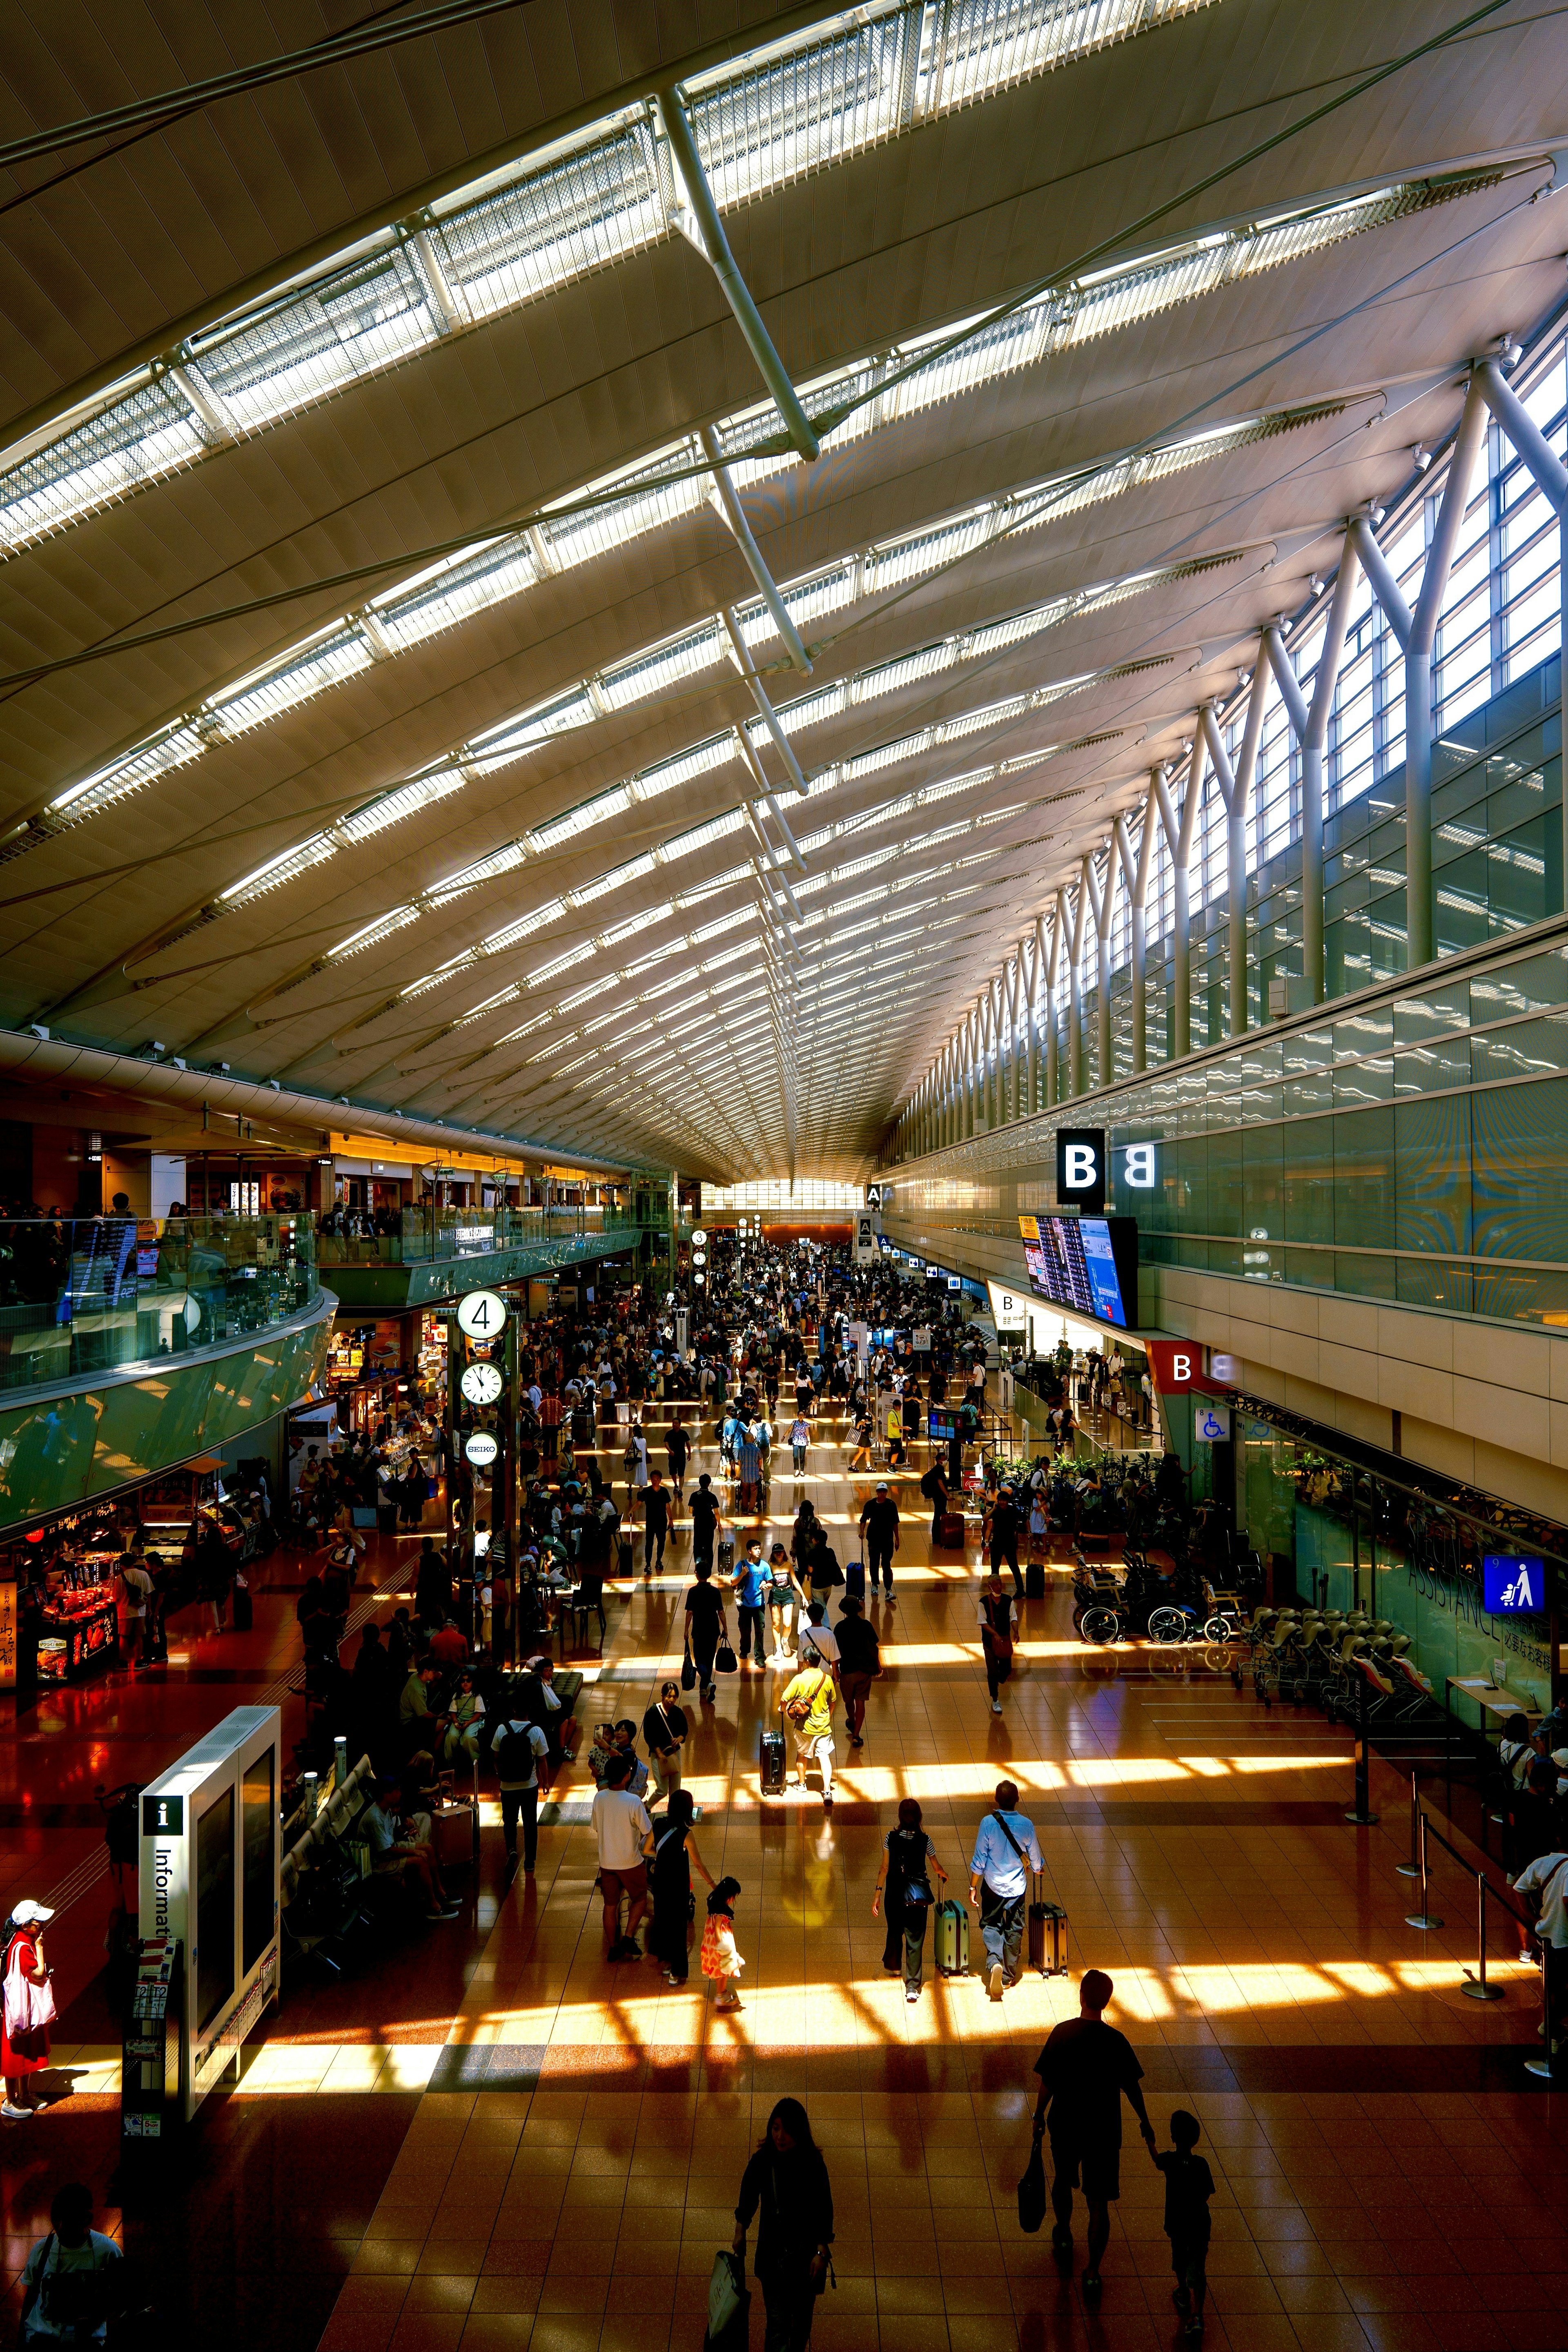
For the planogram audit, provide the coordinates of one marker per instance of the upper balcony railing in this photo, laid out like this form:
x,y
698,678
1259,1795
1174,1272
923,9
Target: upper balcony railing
x,y
83,1295
420,1235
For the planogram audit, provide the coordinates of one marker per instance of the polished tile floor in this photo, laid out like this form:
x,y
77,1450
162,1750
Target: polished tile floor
x,y
489,2138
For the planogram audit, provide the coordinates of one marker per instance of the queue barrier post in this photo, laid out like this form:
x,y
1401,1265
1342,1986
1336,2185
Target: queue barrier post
x,y
1412,1869
1476,1988
1363,1818
1421,1918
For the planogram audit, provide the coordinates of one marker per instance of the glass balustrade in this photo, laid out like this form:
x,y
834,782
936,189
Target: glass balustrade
x,y
84,1294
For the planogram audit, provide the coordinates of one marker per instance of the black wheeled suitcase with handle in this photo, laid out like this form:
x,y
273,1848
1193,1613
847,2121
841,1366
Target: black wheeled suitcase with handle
x,y
771,1763
1047,1938
1035,1579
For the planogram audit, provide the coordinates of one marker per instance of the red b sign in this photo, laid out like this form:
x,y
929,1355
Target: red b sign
x,y
1176,1365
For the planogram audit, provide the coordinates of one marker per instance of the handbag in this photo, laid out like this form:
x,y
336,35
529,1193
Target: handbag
x,y
728,2304
724,1660
917,1893
687,1673
1032,2187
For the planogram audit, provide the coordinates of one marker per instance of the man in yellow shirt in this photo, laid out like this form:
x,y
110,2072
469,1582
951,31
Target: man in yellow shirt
x,y
806,1705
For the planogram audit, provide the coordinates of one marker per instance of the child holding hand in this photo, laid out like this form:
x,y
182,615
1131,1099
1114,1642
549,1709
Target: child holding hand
x,y
1189,2184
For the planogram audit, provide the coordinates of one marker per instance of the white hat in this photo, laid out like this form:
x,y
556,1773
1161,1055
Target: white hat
x,y
29,1914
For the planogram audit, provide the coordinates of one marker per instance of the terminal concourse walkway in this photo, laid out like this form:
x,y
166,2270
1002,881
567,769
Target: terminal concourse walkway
x,y
488,2137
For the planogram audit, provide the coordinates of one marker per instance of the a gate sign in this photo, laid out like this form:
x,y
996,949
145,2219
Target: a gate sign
x,y
1176,1365
1512,1586
1080,1167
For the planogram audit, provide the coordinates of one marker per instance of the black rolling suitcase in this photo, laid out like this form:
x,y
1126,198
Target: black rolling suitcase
x,y
625,1557
854,1578
771,1763
1047,1938
1035,1579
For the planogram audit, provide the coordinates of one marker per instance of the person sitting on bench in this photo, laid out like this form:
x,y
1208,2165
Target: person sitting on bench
x,y
395,1855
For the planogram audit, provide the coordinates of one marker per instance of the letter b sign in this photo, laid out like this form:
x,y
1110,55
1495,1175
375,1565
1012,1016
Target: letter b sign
x,y
1080,1167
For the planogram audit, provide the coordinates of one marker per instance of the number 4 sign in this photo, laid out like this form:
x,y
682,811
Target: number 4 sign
x,y
481,1313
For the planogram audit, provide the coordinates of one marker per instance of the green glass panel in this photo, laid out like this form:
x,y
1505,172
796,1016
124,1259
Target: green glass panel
x,y
1520,1173
1432,1174
1364,1180
1307,1177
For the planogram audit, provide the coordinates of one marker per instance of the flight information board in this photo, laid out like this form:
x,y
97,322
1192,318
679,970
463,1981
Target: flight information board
x,y
1087,1264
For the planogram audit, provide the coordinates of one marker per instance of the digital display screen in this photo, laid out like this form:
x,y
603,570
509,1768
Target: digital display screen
x,y
259,1836
1087,1264
214,1909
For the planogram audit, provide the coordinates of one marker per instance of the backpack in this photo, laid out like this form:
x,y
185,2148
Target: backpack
x,y
931,1484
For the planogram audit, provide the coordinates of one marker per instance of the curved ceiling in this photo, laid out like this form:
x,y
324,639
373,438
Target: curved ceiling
x,y
370,727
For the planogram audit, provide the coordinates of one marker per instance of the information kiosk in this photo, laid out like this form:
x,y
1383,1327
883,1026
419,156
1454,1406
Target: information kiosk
x,y
208,1922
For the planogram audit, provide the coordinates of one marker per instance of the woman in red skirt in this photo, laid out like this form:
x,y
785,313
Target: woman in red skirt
x,y
23,2053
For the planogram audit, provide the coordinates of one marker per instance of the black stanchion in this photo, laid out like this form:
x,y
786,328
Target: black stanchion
x,y
1421,1918
1412,1869
1476,1988
1363,1818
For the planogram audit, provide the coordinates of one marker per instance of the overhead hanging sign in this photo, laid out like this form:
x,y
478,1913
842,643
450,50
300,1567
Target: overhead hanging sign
x,y
1080,1167
1512,1585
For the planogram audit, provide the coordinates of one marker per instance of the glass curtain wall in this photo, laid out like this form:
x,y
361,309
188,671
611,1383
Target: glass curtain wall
x,y
1497,854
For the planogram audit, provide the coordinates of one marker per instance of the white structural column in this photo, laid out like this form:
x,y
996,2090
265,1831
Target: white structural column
x,y
1179,839
1417,634
1135,874
1547,471
1311,730
1037,1012
1235,791
1053,967
1102,902
1075,984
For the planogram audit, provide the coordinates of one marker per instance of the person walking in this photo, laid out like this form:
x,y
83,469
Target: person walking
x,y
1085,2069
706,1520
860,1457
998,1614
784,1598
664,1731
1189,2184
1005,1526
750,1585
518,1747
807,1704
904,1895
704,1625
816,1645
787,2183
669,1850
656,1522
880,1535
23,2044
677,1448
934,1487
799,1441
1545,1885
620,1824
1005,1850
859,1664
720,1960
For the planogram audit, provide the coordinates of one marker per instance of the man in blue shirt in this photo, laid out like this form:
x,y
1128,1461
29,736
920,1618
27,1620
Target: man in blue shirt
x,y
1005,1850
752,1581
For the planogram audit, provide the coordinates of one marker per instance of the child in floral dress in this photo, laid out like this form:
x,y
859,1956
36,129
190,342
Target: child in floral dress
x,y
721,1960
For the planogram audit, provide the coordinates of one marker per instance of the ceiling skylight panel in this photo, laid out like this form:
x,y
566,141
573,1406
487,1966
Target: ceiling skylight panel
x,y
907,670
805,711
524,928
566,962
564,828
799,113
992,714
391,808
887,755
901,560
683,844
100,789
700,760
665,665
373,933
647,503
256,699
468,877
1016,628
352,323
509,742
469,585
616,879
143,434
278,870
550,227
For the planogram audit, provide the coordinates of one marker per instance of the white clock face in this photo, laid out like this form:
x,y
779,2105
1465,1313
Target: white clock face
x,y
481,1383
